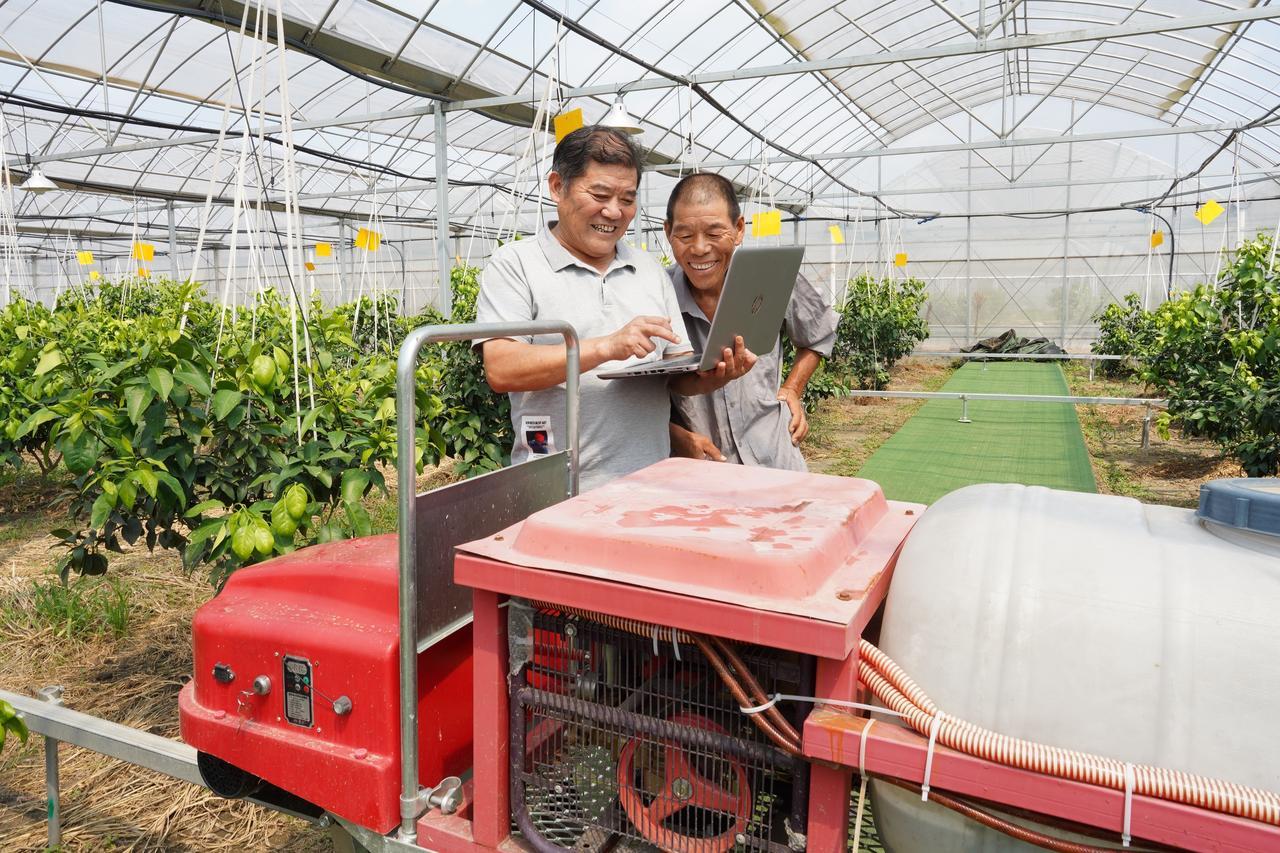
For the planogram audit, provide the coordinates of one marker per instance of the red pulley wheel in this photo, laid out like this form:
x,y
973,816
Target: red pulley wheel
x,y
684,787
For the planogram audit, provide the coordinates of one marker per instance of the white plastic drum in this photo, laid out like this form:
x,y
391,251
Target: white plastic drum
x,y
1089,622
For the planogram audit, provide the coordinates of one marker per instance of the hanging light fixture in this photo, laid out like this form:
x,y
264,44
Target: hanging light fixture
x,y
37,183
619,118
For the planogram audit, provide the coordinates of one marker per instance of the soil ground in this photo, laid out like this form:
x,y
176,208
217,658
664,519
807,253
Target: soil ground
x,y
132,674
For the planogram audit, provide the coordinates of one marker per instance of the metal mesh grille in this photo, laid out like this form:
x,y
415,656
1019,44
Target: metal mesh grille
x,y
870,841
616,747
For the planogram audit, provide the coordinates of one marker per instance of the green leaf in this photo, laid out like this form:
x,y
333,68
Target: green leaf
x,y
204,506
161,380
136,399
360,521
193,378
49,361
38,417
354,482
224,401
147,479
80,455
101,509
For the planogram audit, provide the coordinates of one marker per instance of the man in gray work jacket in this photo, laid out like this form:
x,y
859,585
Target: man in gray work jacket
x,y
617,298
756,420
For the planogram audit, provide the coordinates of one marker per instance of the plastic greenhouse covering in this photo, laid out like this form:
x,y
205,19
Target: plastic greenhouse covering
x,y
1018,155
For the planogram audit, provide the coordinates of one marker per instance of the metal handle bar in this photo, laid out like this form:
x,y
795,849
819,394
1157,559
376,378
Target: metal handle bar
x,y
406,453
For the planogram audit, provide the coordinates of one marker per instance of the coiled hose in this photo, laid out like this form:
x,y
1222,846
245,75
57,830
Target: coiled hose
x,y
898,692
893,687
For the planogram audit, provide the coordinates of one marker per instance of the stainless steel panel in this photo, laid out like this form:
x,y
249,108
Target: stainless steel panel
x,y
473,509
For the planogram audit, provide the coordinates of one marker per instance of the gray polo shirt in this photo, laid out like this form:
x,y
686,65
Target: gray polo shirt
x,y
623,421
745,419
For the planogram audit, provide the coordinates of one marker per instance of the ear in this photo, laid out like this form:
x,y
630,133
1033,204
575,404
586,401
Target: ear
x,y
666,229
741,228
556,186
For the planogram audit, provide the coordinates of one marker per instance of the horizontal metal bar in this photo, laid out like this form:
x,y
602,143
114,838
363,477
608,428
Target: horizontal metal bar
x,y
133,746
1010,398
1039,356
161,754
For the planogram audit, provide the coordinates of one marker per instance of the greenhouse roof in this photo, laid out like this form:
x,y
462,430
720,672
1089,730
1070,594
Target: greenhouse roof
x,y
123,102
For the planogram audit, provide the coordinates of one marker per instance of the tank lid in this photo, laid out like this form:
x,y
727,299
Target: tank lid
x,y
1244,503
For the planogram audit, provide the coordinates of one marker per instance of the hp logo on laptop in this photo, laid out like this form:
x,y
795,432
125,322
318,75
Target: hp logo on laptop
x,y
755,306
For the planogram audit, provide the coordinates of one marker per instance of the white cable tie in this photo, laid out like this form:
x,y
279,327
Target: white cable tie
x,y
928,758
655,641
862,754
1126,836
818,700
676,645
862,785
761,708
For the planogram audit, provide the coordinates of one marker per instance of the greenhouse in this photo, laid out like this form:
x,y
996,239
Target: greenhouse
x,y
318,327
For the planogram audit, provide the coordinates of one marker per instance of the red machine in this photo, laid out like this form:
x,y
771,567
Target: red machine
x,y
296,685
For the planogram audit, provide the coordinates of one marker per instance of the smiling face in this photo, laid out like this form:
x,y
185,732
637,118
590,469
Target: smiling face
x,y
594,210
703,238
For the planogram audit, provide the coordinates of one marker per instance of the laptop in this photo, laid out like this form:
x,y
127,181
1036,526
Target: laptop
x,y
753,303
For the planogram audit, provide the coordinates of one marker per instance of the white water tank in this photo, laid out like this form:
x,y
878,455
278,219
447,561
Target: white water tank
x,y
1098,623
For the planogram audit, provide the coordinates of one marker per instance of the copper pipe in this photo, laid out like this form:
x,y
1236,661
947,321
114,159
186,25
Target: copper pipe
x,y
986,818
754,688
740,696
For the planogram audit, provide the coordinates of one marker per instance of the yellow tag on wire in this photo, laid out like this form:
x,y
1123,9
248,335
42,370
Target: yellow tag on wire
x,y
766,223
84,258
94,275
143,252
837,236
1209,211
900,259
143,272
310,266
566,123
323,250
1157,237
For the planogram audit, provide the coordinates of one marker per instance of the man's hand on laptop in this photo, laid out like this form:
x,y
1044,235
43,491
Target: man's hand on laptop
x,y
635,338
734,363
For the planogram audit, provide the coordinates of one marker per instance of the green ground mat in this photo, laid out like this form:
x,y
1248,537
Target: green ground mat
x,y
1033,443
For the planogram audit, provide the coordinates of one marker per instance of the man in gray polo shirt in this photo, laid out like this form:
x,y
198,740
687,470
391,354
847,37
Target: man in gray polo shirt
x,y
617,298
754,421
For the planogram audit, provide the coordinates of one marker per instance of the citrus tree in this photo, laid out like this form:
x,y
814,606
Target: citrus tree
x,y
1216,354
881,321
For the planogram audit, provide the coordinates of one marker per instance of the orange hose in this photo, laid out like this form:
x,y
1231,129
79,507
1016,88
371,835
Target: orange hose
x,y
892,687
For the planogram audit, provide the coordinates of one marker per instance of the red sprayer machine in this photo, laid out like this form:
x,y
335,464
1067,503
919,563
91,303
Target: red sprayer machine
x,y
680,660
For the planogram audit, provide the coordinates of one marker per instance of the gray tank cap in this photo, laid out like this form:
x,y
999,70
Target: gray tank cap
x,y
1245,503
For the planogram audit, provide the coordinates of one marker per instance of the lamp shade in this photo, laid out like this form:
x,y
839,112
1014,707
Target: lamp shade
x,y
619,118
37,183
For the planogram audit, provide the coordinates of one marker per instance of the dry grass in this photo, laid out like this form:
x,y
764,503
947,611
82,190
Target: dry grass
x,y
845,431
1170,471
134,680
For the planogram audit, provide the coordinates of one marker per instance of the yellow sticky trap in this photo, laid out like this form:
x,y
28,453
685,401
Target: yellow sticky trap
x,y
84,258
143,272
362,238
143,252
900,259
644,247
837,236
567,123
323,250
310,266
375,240
1209,211
1157,237
94,275
766,223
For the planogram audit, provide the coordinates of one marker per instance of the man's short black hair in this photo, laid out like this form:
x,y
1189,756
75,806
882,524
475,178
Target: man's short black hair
x,y
594,143
704,186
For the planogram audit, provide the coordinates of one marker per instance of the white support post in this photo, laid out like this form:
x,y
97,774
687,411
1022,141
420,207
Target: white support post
x,y
445,294
173,244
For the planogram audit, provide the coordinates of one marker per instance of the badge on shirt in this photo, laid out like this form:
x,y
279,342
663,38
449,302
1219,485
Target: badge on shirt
x,y
536,430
